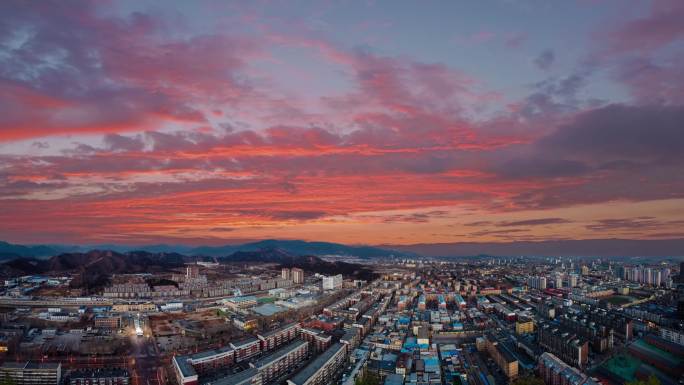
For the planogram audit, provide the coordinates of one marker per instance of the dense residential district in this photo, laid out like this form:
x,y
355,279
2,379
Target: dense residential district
x,y
475,321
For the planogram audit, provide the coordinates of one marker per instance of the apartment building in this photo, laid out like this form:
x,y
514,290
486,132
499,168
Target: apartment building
x,y
297,275
31,373
600,337
187,367
503,358
672,335
107,322
99,377
323,369
275,338
281,361
248,376
246,348
568,346
556,372
286,273
318,340
538,283
524,326
134,307
332,282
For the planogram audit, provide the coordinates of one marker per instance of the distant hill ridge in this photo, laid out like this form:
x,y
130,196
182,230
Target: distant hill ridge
x,y
296,247
94,268
560,248
582,247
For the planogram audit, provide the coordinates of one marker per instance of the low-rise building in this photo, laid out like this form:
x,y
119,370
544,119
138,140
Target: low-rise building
x,y
237,303
107,321
32,373
99,377
139,307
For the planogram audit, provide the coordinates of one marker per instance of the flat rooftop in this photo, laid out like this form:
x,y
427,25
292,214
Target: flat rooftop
x,y
244,377
280,329
279,353
30,365
209,353
244,341
310,369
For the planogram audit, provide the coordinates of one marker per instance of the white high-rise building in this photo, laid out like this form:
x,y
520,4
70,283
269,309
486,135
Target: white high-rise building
x,y
332,282
656,277
558,282
647,276
537,282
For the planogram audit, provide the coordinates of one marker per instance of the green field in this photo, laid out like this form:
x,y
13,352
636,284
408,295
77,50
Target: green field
x,y
623,366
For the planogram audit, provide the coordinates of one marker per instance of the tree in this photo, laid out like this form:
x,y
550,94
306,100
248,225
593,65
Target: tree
x,y
652,380
529,380
368,379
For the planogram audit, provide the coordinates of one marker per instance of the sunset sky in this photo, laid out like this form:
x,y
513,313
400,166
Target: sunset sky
x,y
376,122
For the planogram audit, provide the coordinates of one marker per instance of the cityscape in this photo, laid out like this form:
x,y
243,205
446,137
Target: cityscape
x,y
342,192
391,320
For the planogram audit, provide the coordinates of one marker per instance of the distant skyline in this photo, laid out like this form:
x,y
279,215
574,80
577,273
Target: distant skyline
x,y
363,122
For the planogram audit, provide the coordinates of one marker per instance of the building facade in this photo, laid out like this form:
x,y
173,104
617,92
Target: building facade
x,y
323,369
32,373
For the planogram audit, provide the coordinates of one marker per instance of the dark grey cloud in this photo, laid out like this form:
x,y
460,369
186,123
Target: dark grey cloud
x,y
526,222
41,145
535,222
613,138
478,223
621,132
539,167
419,217
498,233
221,229
117,142
297,215
636,224
545,59
617,151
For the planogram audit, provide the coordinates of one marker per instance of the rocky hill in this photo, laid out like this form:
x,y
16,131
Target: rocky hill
x,y
94,268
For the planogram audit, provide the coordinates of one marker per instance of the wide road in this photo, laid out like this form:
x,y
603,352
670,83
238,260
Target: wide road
x,y
145,361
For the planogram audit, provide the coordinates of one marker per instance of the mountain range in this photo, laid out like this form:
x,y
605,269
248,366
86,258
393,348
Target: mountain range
x,y
559,248
93,270
11,251
584,247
